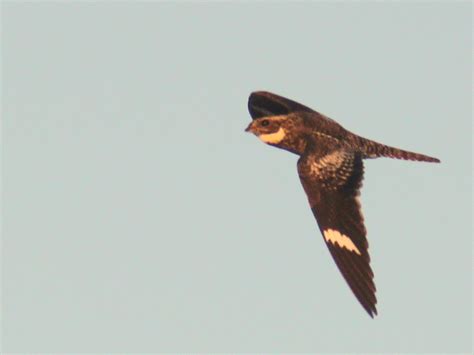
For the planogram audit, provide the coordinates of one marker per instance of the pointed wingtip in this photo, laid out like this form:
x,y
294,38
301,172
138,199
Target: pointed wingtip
x,y
372,312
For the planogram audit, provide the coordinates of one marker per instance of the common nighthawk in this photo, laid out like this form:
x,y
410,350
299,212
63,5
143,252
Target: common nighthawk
x,y
331,171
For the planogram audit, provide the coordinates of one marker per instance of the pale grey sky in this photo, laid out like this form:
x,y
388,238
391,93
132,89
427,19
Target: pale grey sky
x,y
139,217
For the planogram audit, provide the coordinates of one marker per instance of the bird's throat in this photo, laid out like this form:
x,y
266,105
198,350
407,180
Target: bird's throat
x,y
273,138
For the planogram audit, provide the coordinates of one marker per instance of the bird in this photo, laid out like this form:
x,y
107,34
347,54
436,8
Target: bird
x,y
331,170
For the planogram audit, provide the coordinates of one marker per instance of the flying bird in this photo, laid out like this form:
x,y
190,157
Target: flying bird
x,y
331,170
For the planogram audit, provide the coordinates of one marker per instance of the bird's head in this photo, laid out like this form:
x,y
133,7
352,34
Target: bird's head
x,y
270,129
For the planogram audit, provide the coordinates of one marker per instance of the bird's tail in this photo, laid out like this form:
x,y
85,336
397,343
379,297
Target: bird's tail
x,y
372,149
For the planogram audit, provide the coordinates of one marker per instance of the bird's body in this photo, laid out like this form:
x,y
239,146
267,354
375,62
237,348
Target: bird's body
x,y
331,172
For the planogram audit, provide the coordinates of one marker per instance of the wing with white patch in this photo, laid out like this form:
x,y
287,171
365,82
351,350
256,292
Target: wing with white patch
x,y
332,183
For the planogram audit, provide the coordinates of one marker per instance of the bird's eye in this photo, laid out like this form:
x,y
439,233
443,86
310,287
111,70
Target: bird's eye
x,y
265,123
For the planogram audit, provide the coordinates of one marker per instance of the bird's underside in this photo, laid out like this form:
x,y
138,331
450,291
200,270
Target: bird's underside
x,y
331,172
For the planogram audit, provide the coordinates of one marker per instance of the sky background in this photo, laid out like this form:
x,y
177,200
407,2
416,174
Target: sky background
x,y
139,217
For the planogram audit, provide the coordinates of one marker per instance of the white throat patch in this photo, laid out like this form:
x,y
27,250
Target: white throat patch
x,y
341,240
273,138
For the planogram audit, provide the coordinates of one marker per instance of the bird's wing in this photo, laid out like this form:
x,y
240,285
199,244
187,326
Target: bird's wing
x,y
332,182
262,103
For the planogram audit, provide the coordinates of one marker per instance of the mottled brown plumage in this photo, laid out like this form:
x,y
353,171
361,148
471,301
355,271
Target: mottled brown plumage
x,y
331,172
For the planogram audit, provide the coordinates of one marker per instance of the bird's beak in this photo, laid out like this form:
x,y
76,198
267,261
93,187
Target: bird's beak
x,y
249,127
